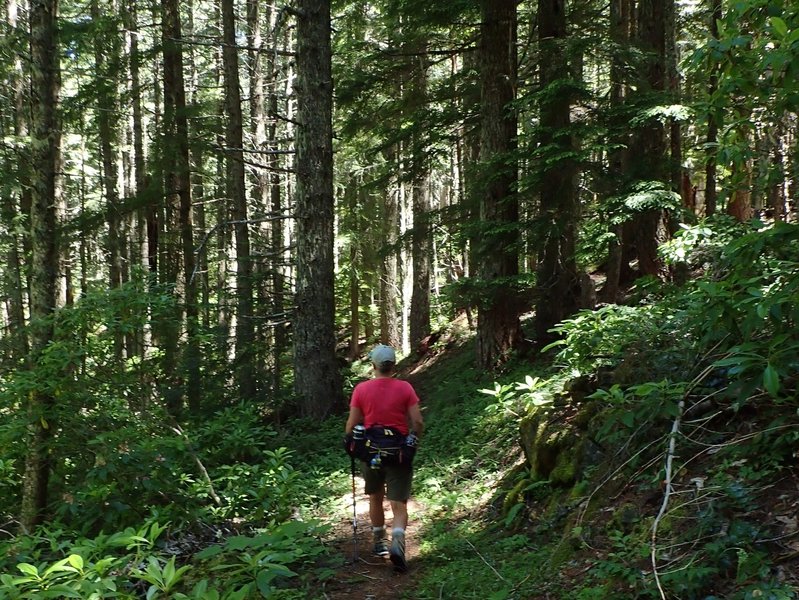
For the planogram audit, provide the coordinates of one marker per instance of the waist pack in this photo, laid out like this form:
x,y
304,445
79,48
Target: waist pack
x,y
380,446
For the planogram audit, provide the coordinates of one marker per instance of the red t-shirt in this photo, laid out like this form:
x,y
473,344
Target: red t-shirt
x,y
385,401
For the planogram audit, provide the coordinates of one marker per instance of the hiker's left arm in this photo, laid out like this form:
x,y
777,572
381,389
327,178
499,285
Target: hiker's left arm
x,y
416,420
356,416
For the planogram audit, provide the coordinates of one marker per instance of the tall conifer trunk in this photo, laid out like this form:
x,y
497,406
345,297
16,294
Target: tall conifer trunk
x,y
234,138
421,238
389,276
648,145
45,161
105,48
713,120
498,329
317,381
180,253
557,281
15,282
617,158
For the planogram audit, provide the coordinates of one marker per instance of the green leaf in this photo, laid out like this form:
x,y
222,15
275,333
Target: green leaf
x,y
512,513
60,591
28,569
771,380
209,552
628,419
241,542
264,580
780,28
169,571
76,561
281,570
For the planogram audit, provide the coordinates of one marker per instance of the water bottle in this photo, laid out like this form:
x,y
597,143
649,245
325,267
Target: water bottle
x,y
411,440
358,432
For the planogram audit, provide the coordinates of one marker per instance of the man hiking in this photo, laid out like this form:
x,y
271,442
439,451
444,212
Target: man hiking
x,y
389,403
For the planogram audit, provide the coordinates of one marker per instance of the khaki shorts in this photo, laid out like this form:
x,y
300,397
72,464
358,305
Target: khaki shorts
x,y
395,480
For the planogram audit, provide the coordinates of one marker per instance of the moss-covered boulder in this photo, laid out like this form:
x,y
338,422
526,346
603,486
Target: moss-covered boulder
x,y
557,445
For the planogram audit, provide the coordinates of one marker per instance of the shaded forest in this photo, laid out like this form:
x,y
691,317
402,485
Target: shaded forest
x,y
212,210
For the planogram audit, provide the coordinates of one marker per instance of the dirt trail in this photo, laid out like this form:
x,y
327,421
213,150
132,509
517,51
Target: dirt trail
x,y
370,577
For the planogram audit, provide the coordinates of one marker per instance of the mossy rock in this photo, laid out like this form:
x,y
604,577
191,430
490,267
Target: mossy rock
x,y
556,450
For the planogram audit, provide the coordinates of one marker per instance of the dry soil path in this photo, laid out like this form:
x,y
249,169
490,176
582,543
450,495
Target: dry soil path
x,y
366,577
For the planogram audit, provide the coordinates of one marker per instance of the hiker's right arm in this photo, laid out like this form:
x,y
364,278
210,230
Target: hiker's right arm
x,y
356,416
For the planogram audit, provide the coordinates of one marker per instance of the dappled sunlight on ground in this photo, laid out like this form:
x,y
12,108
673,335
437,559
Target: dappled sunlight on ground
x,y
363,576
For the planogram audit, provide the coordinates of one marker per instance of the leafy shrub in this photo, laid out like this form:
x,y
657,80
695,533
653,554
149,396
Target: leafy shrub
x,y
234,434
130,564
593,339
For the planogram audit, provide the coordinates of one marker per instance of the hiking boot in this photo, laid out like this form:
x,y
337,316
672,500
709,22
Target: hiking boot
x,y
397,553
380,547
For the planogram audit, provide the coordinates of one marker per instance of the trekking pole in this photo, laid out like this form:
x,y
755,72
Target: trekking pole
x,y
354,515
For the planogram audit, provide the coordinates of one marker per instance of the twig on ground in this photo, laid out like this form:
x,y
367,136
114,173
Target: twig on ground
x,y
490,566
203,472
368,576
675,429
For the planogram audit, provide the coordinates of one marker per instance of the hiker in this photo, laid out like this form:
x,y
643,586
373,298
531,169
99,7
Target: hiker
x,y
391,403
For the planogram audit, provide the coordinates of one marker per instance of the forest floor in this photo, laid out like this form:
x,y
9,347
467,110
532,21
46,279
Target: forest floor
x,y
367,577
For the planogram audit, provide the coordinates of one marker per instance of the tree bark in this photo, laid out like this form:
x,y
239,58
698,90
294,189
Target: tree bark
x,y
106,47
179,216
15,282
389,278
421,237
498,329
713,121
317,380
234,139
351,193
648,145
617,158
45,160
557,281
280,338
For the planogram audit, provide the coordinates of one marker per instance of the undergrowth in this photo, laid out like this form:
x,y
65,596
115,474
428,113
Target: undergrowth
x,y
682,402
693,400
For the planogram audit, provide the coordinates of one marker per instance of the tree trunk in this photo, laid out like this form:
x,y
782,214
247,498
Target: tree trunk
x,y
317,380
648,146
45,161
179,214
421,237
389,280
15,282
106,47
619,28
713,121
263,336
352,193
498,329
277,240
557,281
740,205
234,135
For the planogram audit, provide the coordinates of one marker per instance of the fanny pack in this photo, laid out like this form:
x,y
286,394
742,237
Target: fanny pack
x,y
380,445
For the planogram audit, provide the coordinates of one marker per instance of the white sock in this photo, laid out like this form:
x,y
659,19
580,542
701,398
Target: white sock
x,y
398,532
